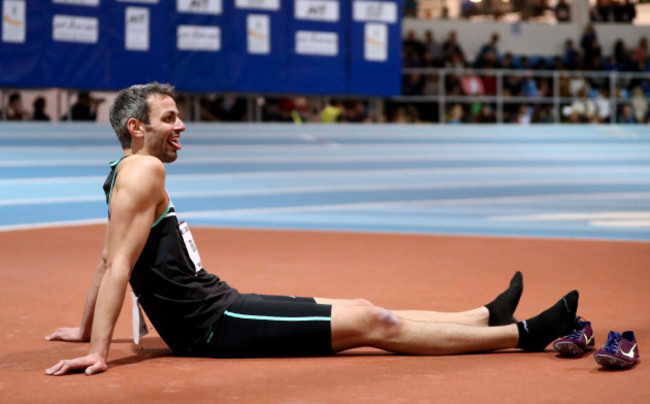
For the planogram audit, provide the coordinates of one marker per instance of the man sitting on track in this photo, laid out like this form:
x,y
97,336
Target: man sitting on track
x,y
197,314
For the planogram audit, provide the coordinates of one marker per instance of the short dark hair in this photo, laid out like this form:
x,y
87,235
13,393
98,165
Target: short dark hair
x,y
132,103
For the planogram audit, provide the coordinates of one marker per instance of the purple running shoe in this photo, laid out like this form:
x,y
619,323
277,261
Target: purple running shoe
x,y
578,342
620,351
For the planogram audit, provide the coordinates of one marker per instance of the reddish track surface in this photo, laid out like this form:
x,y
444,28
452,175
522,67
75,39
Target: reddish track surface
x,y
44,275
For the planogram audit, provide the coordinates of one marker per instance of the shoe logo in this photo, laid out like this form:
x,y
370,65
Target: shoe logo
x,y
630,353
588,340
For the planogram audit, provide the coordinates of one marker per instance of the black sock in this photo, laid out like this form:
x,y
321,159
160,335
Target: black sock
x,y
536,333
503,307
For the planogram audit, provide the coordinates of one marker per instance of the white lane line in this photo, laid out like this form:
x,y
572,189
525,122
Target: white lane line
x,y
575,216
620,223
337,173
410,203
595,219
341,188
600,157
46,225
215,214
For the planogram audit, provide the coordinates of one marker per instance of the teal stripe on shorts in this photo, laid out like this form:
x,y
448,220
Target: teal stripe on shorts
x,y
274,318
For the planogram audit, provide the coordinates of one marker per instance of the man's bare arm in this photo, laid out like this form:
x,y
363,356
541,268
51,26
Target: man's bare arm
x,y
137,195
82,333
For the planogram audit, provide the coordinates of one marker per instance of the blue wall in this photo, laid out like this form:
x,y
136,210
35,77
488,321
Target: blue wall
x,y
268,46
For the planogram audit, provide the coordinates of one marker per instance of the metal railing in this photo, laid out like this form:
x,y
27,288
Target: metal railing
x,y
616,85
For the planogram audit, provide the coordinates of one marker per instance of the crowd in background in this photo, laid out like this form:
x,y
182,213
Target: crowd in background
x,y
603,11
525,77
84,109
527,88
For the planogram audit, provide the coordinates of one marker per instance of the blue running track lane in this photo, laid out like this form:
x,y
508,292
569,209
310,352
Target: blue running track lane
x,y
585,182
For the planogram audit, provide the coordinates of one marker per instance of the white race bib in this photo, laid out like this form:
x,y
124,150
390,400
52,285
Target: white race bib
x,y
139,326
190,245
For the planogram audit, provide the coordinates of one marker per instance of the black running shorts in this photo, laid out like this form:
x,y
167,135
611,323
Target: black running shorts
x,y
271,326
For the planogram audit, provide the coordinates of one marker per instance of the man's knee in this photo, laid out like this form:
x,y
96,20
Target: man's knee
x,y
383,322
362,302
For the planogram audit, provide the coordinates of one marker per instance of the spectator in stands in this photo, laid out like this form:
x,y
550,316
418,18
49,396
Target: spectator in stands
x,y
625,11
603,105
410,58
452,49
562,11
300,112
357,112
558,64
621,55
488,54
524,114
486,115
640,54
431,85
455,115
85,109
603,11
529,86
571,56
541,114
410,8
411,42
584,108
428,61
332,112
412,85
453,85
455,60
512,82
538,8
472,84
578,84
15,110
598,81
639,105
467,9
434,48
626,115
590,46
39,110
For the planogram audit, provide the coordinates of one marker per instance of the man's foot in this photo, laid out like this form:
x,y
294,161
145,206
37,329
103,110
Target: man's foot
x,y
537,332
503,307
619,352
578,342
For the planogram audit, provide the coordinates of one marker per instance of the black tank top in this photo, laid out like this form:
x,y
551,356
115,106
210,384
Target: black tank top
x,y
181,303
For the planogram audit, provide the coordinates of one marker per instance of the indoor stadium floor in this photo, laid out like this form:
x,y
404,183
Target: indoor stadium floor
x,y
429,217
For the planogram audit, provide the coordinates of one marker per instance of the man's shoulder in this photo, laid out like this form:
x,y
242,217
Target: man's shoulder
x,y
141,174
139,165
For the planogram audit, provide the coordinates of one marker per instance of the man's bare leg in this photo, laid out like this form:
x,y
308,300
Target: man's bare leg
x,y
357,326
366,325
498,312
477,317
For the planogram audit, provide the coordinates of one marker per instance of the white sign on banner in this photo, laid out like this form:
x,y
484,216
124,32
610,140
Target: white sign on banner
x,y
258,33
90,3
273,5
13,21
68,28
198,38
136,26
199,6
317,10
374,11
317,43
375,48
